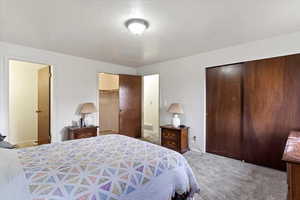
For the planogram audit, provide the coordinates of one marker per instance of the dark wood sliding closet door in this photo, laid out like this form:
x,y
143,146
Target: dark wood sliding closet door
x,y
271,108
224,110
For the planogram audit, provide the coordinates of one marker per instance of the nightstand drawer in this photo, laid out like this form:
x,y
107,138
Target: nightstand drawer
x,y
84,135
170,144
170,135
84,132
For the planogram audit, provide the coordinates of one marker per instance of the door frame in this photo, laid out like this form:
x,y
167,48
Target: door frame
x,y
142,109
159,100
6,91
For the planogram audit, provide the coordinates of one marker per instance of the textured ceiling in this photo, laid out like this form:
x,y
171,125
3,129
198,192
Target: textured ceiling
x,y
95,28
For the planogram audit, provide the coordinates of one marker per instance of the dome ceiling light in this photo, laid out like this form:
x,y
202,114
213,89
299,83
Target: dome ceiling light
x,y
137,26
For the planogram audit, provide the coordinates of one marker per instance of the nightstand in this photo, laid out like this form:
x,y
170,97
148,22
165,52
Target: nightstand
x,y
175,138
84,132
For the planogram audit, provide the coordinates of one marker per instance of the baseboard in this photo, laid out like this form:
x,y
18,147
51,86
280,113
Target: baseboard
x,y
148,131
25,143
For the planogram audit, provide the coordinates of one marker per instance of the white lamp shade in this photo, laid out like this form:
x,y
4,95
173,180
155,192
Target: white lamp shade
x,y
88,108
175,108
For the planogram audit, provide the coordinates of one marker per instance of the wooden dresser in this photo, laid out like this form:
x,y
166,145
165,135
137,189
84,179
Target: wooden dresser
x,y
84,132
292,157
175,138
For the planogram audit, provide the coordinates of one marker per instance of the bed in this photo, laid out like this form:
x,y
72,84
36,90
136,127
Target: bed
x,y
110,167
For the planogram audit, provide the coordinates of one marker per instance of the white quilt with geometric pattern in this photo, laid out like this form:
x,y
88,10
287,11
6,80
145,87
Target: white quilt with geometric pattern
x,y
110,167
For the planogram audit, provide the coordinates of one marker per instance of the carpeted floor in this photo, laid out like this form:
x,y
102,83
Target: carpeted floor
x,y
151,140
222,178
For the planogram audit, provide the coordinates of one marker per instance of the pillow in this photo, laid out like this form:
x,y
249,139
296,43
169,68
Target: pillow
x,y
7,145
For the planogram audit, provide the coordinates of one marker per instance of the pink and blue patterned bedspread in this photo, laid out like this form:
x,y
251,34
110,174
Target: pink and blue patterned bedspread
x,y
111,167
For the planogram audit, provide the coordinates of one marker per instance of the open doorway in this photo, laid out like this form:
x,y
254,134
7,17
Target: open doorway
x,y
29,103
151,108
108,103
120,104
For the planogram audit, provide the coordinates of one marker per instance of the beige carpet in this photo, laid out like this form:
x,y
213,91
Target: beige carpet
x,y
222,178
151,140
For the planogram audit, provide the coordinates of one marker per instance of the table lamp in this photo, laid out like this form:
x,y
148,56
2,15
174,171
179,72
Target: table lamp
x,y
87,108
175,109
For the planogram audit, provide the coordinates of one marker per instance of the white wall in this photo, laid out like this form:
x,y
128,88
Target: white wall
x,y
183,80
23,94
151,104
75,81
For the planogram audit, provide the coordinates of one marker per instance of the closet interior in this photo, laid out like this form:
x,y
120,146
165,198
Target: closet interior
x,y
108,103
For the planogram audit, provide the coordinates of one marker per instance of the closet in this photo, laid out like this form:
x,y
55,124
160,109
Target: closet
x,y
108,103
109,115
120,101
251,108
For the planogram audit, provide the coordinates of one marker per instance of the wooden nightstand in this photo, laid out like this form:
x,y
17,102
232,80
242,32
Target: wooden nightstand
x,y
175,138
84,132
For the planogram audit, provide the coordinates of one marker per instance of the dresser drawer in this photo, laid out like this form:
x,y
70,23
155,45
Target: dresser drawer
x,y
170,135
170,144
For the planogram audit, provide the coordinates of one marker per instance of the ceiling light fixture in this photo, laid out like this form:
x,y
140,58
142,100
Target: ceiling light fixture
x,y
137,26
